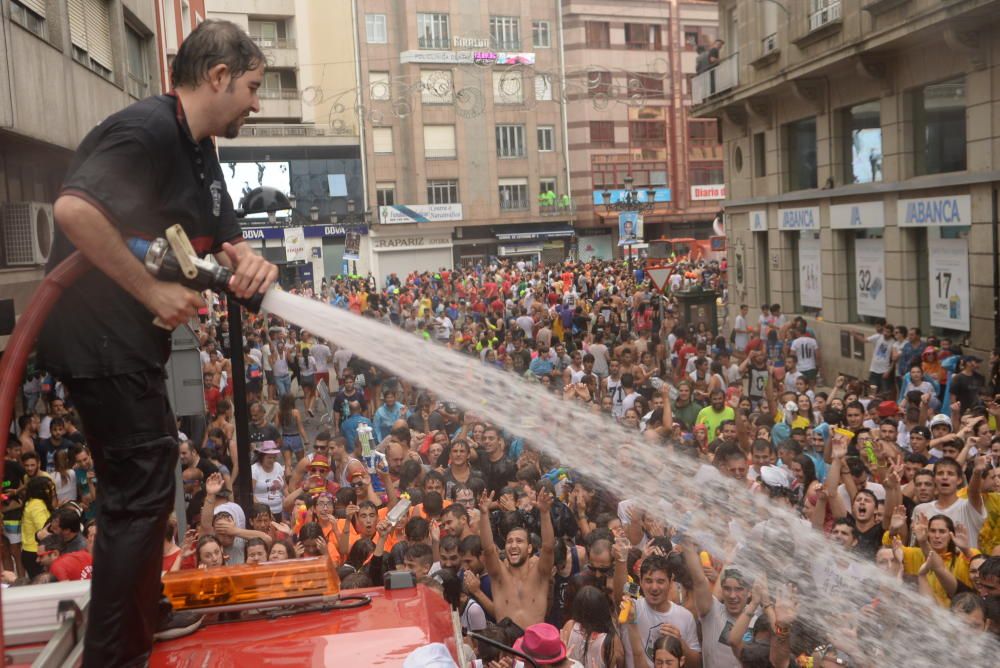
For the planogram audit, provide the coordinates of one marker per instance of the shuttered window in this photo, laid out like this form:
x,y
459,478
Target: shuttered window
x,y
439,141
382,140
90,34
37,6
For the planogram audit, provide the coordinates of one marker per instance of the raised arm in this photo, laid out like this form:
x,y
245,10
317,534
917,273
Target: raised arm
x,y
491,556
547,555
702,589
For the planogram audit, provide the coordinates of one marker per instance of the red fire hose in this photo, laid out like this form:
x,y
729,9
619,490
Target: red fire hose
x,y
20,345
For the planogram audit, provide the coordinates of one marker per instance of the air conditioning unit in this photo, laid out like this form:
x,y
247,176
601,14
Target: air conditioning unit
x,y
27,233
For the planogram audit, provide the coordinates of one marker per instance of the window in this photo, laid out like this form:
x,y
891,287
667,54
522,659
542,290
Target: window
x,y
939,127
646,85
760,154
264,33
546,138
382,140
439,141
640,36
707,173
543,87
767,17
375,29
90,34
647,132
30,14
822,12
599,83
138,69
602,134
436,87
442,192
703,132
385,194
433,31
510,141
505,31
691,39
862,143
547,184
541,34
508,87
800,137
378,84
513,194
598,34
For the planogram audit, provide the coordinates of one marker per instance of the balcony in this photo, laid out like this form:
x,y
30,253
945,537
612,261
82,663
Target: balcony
x,y
280,103
514,205
427,42
293,134
280,52
721,78
556,209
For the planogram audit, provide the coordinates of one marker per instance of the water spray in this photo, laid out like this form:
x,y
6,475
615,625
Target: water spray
x,y
904,628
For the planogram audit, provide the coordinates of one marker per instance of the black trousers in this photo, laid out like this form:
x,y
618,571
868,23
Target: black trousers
x,y
133,438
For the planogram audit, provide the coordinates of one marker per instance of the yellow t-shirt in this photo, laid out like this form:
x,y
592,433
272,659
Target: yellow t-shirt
x,y
913,559
36,515
989,535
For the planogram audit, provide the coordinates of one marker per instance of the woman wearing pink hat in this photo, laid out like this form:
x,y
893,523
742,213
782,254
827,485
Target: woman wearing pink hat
x,y
542,643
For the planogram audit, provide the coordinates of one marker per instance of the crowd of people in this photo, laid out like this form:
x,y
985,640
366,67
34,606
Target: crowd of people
x,y
899,468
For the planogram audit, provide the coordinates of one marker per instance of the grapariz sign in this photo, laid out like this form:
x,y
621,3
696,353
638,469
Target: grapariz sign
x,y
400,243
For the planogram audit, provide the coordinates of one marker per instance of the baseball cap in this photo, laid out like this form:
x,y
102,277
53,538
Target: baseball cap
x,y
940,419
356,469
319,461
772,476
888,409
923,431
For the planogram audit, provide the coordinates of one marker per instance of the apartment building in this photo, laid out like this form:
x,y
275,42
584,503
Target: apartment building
x,y
305,140
862,161
627,71
464,132
64,65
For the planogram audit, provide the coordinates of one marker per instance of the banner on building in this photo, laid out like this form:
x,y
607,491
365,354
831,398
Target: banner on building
x,y
295,244
595,247
869,267
352,246
629,228
398,214
717,191
810,270
948,273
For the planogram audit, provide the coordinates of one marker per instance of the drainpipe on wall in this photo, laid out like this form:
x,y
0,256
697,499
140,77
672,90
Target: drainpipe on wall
x,y
358,106
562,104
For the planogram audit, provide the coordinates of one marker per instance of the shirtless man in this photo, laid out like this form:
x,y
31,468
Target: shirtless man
x,y
521,584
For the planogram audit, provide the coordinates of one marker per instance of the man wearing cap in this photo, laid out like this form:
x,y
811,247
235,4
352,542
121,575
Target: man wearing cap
x,y
968,383
940,426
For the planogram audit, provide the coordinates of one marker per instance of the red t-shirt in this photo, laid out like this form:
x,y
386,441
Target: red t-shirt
x,y
78,565
212,396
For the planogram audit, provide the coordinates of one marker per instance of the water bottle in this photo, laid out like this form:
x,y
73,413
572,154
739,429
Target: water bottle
x,y
371,457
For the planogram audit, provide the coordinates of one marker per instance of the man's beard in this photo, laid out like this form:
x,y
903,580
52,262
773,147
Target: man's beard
x,y
233,129
519,564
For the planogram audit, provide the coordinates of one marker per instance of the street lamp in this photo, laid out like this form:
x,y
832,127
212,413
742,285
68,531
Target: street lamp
x,y
630,201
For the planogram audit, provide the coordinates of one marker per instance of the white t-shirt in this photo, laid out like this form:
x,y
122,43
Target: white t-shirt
x,y
790,378
882,355
341,359
321,353
741,338
715,628
649,622
960,512
830,579
527,325
267,486
805,349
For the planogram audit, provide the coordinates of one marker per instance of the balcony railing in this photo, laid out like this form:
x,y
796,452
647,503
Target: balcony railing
x,y
294,130
434,42
556,210
273,42
514,204
278,93
724,76
642,46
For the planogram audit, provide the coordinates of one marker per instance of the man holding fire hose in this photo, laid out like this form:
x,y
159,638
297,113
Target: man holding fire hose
x,y
140,171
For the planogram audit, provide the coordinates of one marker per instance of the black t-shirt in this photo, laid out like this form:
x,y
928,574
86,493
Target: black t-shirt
x,y
496,475
869,541
13,476
266,433
145,172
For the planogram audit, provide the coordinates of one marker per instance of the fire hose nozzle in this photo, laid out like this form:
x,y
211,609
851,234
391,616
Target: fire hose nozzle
x,y
161,261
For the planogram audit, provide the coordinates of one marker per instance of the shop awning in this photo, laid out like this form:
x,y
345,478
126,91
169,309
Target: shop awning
x,y
532,232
